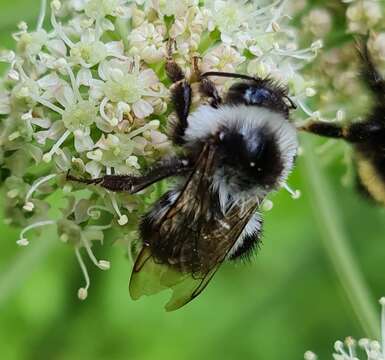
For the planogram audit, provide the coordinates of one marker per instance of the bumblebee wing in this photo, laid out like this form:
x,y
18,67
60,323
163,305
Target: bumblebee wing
x,y
215,240
150,277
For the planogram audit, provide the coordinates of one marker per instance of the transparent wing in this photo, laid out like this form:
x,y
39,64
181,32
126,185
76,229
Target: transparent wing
x,y
150,277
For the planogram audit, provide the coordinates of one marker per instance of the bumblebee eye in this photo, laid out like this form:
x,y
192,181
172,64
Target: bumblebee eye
x,y
257,95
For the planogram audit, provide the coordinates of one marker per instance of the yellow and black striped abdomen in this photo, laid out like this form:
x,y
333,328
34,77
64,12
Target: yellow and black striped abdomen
x,y
371,178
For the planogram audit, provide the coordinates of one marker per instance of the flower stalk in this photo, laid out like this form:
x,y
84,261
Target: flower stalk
x,y
337,244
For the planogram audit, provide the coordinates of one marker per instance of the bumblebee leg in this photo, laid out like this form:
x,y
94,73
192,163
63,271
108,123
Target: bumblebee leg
x,y
181,95
325,129
354,133
206,86
134,184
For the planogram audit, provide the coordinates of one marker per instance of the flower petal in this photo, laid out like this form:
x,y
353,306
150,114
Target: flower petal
x,y
115,48
142,109
148,78
83,141
84,77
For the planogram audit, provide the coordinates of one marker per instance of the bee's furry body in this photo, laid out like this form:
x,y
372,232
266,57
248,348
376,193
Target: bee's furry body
x,y
235,152
370,164
231,184
237,132
367,137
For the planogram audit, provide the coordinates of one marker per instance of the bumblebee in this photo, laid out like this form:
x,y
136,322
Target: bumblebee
x,y
366,137
236,150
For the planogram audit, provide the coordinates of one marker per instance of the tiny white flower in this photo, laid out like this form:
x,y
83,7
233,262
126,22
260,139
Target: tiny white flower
x,y
376,45
31,43
318,22
101,8
130,86
148,42
176,8
362,15
90,51
222,58
231,17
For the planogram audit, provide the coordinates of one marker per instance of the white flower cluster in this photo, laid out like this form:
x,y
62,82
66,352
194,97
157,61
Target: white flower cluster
x,y
90,95
363,15
366,349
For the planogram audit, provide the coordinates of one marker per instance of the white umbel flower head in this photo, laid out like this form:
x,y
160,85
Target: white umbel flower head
x,y
89,95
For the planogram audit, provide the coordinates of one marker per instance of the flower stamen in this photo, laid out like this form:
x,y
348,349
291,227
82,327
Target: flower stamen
x,y
123,220
47,157
40,21
83,291
23,241
101,264
153,124
34,187
58,27
295,194
73,82
93,212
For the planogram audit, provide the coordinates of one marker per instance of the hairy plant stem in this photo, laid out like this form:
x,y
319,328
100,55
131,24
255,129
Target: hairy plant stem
x,y
337,244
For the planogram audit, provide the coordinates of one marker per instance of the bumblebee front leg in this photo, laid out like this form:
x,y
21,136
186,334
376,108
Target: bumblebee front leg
x,y
134,184
206,86
354,133
325,129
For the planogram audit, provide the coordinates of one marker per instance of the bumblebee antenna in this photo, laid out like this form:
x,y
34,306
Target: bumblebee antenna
x,y
292,103
229,75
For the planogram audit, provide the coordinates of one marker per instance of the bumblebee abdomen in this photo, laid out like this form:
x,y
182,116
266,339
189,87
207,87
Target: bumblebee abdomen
x,y
372,177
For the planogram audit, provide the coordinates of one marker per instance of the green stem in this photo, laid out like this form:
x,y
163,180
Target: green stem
x,y
337,244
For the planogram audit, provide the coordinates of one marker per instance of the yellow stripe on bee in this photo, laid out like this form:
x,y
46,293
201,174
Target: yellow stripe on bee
x,y
371,179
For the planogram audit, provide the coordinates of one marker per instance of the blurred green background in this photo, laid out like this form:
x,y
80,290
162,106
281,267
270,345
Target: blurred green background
x,y
285,302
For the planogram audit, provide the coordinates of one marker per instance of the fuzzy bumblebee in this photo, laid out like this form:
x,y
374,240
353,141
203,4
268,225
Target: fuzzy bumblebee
x,y
236,150
367,137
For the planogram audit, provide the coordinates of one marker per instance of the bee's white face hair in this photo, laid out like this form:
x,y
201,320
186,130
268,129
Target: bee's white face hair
x,y
207,121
